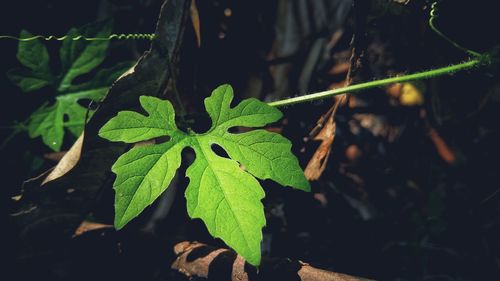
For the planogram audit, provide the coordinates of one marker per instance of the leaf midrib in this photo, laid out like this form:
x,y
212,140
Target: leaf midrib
x,y
179,142
202,150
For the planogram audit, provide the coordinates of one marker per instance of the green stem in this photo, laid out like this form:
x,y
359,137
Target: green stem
x,y
378,83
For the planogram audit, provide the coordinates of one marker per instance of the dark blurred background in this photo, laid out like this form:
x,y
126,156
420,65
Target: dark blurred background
x,y
411,188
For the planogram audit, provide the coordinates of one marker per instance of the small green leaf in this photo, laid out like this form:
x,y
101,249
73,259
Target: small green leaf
x,y
80,57
223,193
33,54
48,121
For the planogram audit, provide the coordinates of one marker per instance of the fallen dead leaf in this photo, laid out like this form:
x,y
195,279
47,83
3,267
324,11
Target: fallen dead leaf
x,y
442,147
318,161
324,132
67,162
195,19
86,226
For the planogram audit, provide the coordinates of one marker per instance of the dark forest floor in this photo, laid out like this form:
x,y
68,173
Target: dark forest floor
x,y
410,190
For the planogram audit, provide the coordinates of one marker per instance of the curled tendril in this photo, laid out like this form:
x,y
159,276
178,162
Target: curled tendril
x,y
131,36
434,15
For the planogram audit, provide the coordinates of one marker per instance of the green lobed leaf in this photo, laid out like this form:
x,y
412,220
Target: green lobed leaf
x,y
49,121
224,193
78,57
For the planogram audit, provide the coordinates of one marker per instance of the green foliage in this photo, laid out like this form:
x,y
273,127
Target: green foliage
x,y
77,57
35,57
223,192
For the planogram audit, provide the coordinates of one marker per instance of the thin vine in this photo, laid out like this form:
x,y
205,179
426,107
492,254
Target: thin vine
x,y
447,70
131,36
432,25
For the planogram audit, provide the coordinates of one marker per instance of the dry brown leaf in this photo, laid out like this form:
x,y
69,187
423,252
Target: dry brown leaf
x,y
86,226
324,132
326,126
203,266
318,161
68,161
195,19
442,147
189,268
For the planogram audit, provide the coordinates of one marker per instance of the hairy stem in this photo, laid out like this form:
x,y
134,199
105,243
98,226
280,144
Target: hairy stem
x,y
378,83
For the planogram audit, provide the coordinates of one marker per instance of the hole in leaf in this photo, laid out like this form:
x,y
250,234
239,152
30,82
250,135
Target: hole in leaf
x,y
217,149
240,129
65,118
84,102
80,79
234,130
162,139
188,155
